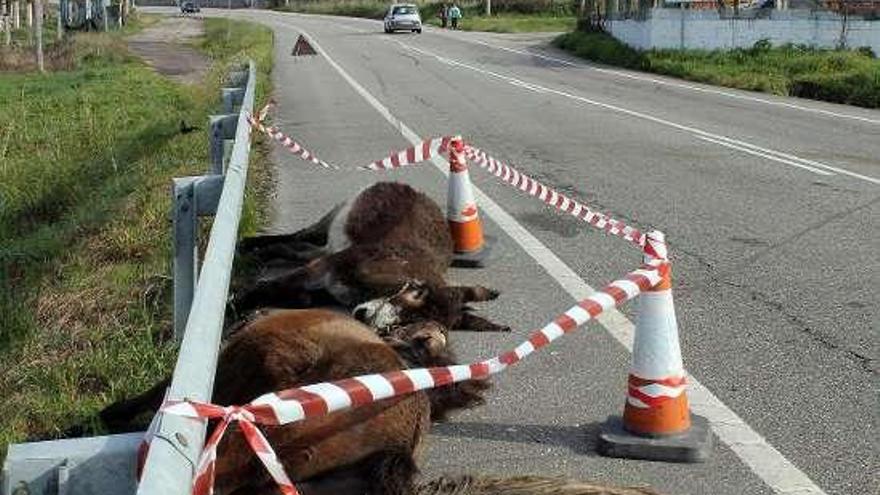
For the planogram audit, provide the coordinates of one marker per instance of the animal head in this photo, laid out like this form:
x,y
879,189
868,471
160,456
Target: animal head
x,y
418,301
411,304
424,345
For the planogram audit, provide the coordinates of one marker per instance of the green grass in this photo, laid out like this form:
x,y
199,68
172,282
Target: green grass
x,y
86,160
514,23
840,76
510,16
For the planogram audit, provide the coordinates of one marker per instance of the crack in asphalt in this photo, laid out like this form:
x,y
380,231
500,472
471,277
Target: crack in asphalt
x,y
865,362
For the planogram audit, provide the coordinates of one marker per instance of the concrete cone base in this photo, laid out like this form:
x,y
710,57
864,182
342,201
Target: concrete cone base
x,y
475,259
694,445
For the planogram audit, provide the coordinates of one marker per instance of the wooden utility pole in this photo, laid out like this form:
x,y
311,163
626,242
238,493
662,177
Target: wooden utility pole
x,y
59,32
38,13
7,23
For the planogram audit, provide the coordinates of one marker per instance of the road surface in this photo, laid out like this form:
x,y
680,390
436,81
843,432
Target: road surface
x,y
770,206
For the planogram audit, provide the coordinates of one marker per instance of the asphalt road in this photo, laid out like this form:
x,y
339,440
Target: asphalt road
x,y
770,206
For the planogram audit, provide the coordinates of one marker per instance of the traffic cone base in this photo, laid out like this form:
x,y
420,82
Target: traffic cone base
x,y
468,236
691,445
656,407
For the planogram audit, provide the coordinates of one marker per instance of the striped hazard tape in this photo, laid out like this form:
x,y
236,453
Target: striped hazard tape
x,y
298,404
431,148
412,155
561,202
291,145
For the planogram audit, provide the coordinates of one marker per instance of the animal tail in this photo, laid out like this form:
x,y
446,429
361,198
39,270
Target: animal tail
x,y
121,416
521,485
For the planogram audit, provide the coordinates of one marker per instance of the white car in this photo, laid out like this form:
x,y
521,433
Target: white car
x,y
403,16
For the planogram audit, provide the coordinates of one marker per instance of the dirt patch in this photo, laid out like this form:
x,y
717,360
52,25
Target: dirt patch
x,y
166,47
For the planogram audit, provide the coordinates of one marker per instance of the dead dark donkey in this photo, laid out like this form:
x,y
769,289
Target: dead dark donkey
x,y
390,246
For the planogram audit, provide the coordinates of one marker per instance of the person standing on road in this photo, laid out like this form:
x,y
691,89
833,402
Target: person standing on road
x,y
443,14
454,15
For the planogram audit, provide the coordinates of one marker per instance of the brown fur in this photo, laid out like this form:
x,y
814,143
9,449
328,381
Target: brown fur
x,y
373,446
522,485
398,235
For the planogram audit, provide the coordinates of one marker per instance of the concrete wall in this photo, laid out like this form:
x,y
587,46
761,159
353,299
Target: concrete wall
x,y
706,30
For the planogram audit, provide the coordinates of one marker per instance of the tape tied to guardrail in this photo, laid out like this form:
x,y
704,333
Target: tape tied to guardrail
x,y
301,403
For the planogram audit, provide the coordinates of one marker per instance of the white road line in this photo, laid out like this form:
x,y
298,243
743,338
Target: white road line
x,y
664,82
763,459
765,155
693,130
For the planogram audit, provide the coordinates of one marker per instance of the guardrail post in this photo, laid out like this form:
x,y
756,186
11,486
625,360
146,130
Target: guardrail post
x,y
185,250
222,127
237,78
193,197
232,98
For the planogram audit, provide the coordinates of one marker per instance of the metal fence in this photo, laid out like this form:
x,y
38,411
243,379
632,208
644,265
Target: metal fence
x,y
175,449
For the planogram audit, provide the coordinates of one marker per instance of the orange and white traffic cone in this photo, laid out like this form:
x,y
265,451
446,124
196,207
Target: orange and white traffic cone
x,y
461,211
657,423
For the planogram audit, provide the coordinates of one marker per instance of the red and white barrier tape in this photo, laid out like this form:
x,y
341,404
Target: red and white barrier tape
x,y
311,401
289,143
412,155
561,202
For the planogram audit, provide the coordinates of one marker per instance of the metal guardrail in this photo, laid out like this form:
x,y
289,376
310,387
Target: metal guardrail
x,y
175,449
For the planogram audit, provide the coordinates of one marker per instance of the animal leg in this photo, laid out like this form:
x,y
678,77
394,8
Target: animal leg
x,y
315,234
473,323
476,293
120,416
288,289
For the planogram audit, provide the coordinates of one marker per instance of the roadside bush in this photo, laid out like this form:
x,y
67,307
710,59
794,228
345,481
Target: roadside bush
x,y
602,48
840,76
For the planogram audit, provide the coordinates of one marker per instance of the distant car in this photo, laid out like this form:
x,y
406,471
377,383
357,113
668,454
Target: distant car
x,y
189,8
403,16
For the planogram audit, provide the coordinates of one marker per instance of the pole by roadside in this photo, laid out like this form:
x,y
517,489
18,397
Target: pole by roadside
x,y
38,28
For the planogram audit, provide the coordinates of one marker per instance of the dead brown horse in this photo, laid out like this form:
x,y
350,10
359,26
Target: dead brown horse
x,y
370,449
384,254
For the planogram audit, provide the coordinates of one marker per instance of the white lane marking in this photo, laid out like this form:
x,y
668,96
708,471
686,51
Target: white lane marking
x,y
697,132
767,156
668,83
764,460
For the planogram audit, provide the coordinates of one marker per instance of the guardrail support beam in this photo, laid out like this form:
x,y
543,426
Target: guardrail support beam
x,y
192,197
232,98
222,127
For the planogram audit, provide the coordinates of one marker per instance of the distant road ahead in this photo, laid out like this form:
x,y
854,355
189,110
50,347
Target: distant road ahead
x,y
770,206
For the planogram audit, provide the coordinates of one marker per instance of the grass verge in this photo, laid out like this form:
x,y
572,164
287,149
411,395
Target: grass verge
x,y
513,23
86,159
511,16
839,76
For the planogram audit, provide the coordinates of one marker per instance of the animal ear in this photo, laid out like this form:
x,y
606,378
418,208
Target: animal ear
x,y
414,293
433,341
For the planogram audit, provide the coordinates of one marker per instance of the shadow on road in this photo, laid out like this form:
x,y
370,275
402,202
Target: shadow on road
x,y
580,439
